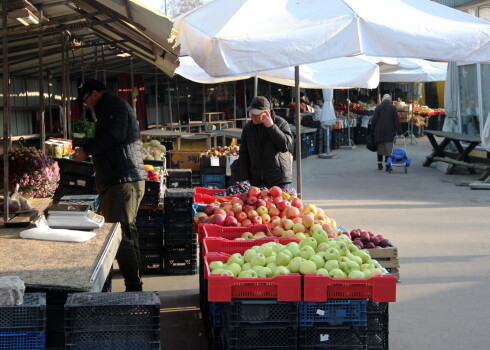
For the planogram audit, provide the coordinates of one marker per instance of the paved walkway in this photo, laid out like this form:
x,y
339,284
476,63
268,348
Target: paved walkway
x,y
441,231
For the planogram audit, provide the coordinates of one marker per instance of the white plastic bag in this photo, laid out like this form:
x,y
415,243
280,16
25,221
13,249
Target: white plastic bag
x,y
24,204
43,232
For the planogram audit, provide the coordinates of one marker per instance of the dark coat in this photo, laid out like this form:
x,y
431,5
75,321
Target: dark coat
x,y
386,123
264,153
116,146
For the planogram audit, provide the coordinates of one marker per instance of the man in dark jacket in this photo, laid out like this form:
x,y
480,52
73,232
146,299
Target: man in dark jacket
x,y
264,158
386,125
119,171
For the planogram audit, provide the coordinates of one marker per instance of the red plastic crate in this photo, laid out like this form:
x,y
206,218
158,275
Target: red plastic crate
x,y
231,232
226,288
321,288
222,245
207,195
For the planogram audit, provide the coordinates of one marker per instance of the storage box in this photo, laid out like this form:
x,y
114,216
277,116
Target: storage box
x,y
336,310
387,258
185,160
213,165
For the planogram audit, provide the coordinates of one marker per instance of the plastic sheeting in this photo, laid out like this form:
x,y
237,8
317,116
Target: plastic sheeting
x,y
240,40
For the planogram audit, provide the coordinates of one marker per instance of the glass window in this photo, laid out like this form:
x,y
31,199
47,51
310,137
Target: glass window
x,y
468,100
485,80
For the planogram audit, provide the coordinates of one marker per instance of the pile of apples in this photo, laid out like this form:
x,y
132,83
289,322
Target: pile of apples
x,y
335,257
286,213
368,240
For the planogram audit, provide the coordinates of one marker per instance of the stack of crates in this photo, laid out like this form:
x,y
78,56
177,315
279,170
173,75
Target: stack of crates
x,y
24,326
307,148
123,321
213,172
180,240
179,178
75,178
150,224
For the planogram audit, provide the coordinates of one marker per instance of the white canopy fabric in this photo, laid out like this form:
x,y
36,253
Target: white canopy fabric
x,y
426,72
234,38
336,73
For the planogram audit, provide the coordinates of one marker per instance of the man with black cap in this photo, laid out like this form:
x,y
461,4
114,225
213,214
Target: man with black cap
x,y
264,156
119,171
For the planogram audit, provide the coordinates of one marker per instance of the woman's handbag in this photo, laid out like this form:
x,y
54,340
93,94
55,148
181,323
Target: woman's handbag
x,y
370,144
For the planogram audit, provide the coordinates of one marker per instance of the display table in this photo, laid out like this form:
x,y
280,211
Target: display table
x,y
441,155
164,134
59,265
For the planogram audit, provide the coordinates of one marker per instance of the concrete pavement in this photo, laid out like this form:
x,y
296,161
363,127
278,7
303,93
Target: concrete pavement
x,y
440,230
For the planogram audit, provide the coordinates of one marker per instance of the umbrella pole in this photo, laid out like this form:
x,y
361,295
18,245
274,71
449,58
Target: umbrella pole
x,y
256,85
297,123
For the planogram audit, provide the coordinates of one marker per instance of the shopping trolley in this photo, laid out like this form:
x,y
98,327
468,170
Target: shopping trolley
x,y
398,156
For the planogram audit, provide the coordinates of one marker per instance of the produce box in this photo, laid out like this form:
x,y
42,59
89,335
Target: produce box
x,y
221,245
323,288
387,258
226,288
213,165
208,195
185,160
230,233
336,310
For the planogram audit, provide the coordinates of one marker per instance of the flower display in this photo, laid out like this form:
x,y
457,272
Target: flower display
x,y
36,174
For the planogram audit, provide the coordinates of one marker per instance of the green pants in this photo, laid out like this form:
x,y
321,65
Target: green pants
x,y
119,203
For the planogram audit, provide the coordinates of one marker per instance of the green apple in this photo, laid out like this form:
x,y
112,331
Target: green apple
x,y
217,271
295,263
288,252
366,267
248,274
342,248
364,255
374,263
263,272
337,273
277,247
300,235
282,259
307,252
248,254
320,236
246,266
349,266
266,249
234,268
353,248
310,241
318,260
322,247
356,274
280,270
293,248
332,254
322,254
236,258
377,272
315,227
270,259
367,273
322,271
271,266
355,258
331,265
215,264
258,259
307,267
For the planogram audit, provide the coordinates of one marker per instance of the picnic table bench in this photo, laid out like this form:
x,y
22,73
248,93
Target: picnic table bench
x,y
440,154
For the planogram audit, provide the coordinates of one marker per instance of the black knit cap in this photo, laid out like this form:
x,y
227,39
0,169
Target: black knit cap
x,y
88,87
258,105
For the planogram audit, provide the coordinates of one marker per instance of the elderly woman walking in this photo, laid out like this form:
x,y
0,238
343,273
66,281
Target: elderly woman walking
x,y
386,125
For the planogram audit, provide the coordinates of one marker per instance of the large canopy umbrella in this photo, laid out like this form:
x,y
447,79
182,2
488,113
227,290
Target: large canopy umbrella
x,y
427,72
245,36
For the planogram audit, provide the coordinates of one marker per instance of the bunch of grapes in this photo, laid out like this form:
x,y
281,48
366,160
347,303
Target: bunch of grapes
x,y
238,188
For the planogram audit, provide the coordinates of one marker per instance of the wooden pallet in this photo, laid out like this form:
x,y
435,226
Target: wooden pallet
x,y
388,258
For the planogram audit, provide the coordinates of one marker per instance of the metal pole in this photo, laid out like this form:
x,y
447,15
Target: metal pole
x,y
104,76
63,85
6,113
178,102
234,104
297,123
245,100
156,98
42,127
68,109
170,104
256,85
49,103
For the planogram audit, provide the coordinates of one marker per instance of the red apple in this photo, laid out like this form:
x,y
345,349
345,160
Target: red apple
x,y
243,197
296,202
291,212
209,209
264,193
251,200
274,212
247,207
231,221
218,219
270,205
262,210
251,214
265,218
370,245
219,211
273,218
226,206
256,220
332,235
365,238
358,243
277,200
385,243
375,240
275,191
277,231
282,205
246,222
230,213
253,191
260,203
203,219
241,216
381,237
236,208
236,200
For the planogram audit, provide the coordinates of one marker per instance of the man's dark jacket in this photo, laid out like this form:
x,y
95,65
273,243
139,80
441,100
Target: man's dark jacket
x,y
264,153
386,123
116,146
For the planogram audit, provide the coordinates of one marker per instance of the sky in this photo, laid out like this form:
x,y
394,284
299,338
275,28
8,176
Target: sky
x,y
159,5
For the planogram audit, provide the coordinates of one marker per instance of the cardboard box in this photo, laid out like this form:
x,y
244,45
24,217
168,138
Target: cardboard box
x,y
185,160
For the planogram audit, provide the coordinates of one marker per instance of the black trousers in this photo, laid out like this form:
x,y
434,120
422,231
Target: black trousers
x,y
119,203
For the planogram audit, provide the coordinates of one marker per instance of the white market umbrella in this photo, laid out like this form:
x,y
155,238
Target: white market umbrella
x,y
338,73
427,72
236,37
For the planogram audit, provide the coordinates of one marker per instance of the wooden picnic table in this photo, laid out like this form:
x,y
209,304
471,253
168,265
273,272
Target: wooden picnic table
x,y
440,153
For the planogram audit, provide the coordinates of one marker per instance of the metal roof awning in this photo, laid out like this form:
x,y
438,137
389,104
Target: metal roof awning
x,y
88,35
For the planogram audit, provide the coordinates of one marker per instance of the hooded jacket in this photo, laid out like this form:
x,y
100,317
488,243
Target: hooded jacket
x,y
386,123
116,146
264,153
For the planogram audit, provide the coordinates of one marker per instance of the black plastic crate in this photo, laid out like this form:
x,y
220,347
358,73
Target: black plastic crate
x,y
151,243
150,233
180,217
118,339
150,221
152,264
109,312
22,340
330,336
179,178
377,326
180,266
179,231
242,312
207,168
261,336
30,316
178,199
153,188
150,212
215,338
80,181
336,310
77,168
150,200
180,248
